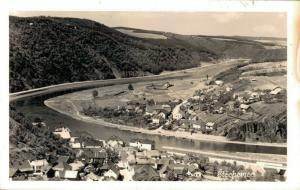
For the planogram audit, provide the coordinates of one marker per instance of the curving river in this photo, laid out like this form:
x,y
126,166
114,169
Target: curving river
x,y
34,106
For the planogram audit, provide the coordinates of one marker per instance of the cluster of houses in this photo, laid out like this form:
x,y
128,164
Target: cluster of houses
x,y
114,159
178,115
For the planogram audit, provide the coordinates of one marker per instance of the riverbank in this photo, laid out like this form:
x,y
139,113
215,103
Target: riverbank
x,y
240,156
161,132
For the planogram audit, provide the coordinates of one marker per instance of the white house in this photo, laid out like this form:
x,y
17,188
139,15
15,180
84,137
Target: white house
x,y
219,82
123,164
197,126
63,132
197,174
74,143
112,173
276,90
92,177
228,89
69,174
210,125
39,165
141,144
177,116
196,97
115,143
155,120
244,107
127,174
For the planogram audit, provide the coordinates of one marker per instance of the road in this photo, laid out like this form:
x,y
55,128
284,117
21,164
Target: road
x,y
77,86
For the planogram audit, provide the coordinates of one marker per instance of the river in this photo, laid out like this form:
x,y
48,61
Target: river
x,y
34,107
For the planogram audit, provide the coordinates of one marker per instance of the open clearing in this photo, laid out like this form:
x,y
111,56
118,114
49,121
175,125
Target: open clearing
x,y
142,34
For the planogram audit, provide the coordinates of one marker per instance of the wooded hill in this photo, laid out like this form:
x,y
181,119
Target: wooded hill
x,y
51,50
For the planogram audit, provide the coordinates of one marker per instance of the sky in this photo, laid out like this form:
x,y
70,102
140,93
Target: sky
x,y
268,24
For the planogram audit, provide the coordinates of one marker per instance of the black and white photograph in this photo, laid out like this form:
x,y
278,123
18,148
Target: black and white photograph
x,y
143,96
191,95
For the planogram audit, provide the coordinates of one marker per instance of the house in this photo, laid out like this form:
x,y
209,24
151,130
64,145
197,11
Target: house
x,y
276,91
114,142
71,175
191,168
254,95
197,174
161,162
179,170
142,144
61,166
196,126
145,173
131,159
152,153
162,115
219,82
244,107
150,110
123,164
157,120
26,168
164,170
64,132
43,124
130,108
105,167
219,110
166,106
12,172
95,155
196,98
230,105
92,177
163,86
177,115
127,174
228,89
91,143
145,161
77,165
209,125
74,142
113,172
39,165
140,155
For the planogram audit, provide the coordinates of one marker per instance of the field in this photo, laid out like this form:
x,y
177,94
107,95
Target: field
x,y
110,96
142,35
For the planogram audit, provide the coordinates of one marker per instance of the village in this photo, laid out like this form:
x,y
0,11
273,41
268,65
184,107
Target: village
x,y
137,160
218,109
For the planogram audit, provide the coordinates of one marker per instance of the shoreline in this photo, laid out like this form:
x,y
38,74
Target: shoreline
x,y
231,156
185,135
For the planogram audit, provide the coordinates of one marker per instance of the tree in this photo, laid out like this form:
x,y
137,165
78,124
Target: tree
x,y
171,176
130,87
95,93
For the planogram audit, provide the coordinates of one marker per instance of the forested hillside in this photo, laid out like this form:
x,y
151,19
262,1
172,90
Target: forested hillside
x,y
29,142
51,50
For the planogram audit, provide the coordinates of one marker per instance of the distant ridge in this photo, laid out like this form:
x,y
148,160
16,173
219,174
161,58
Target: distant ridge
x,y
52,50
